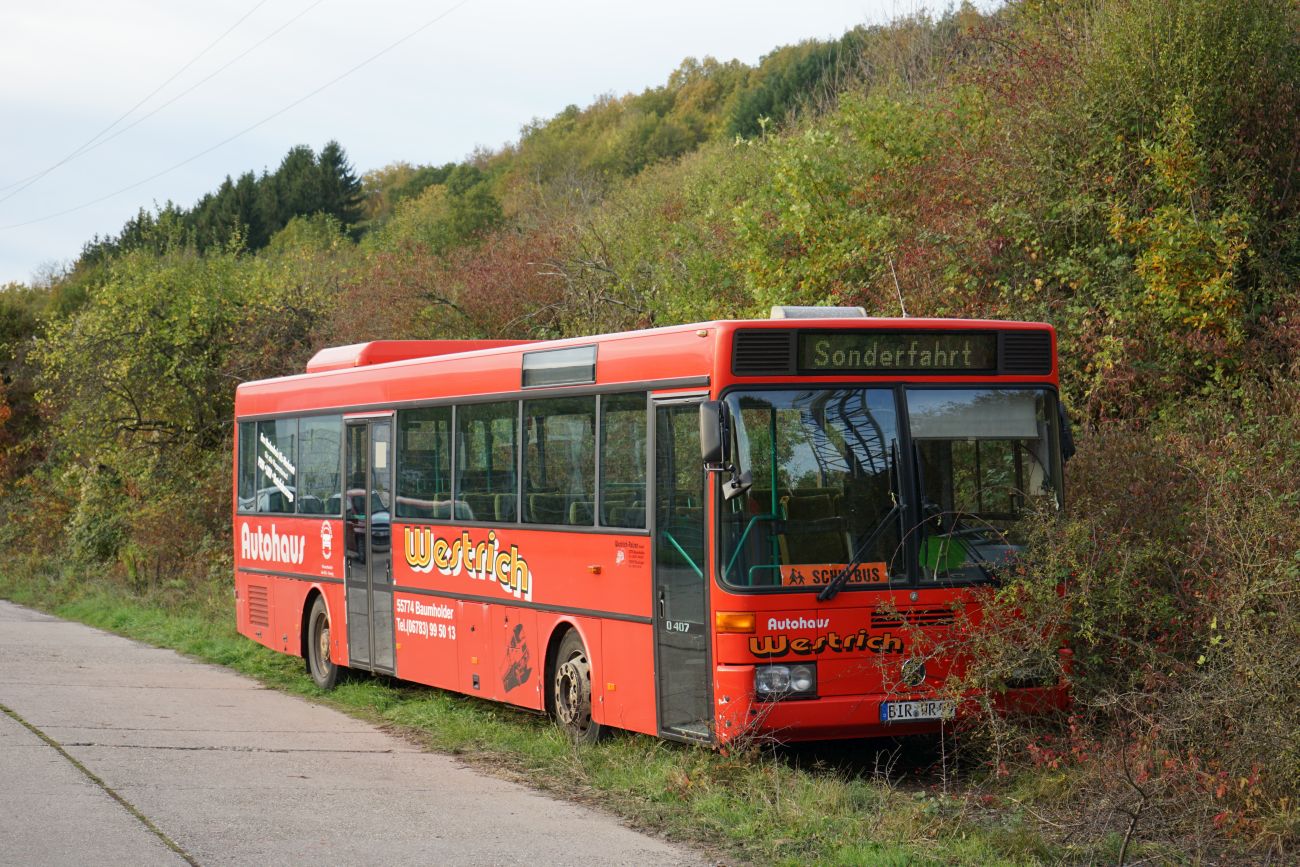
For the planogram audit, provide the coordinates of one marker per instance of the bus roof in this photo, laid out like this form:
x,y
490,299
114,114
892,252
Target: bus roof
x,y
383,373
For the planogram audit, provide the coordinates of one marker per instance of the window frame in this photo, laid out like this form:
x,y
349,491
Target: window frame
x,y
457,492
1052,418
902,472
339,466
257,441
647,441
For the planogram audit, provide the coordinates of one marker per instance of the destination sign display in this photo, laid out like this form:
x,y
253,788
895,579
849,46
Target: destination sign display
x,y
897,351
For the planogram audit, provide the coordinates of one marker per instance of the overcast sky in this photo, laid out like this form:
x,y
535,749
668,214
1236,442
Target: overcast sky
x,y
469,73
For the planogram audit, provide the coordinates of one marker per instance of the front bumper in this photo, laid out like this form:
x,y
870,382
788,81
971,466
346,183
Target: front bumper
x,y
836,717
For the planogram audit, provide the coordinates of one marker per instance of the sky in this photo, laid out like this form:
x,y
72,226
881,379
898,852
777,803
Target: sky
x,y
108,106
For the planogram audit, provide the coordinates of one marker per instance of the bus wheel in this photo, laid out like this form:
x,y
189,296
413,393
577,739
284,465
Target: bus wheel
x,y
319,665
571,691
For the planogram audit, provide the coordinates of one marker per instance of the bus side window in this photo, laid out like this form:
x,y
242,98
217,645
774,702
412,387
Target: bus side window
x,y
424,463
247,467
277,470
623,460
559,459
486,452
320,456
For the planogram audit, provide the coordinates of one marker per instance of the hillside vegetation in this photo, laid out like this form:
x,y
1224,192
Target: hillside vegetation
x,y
1127,170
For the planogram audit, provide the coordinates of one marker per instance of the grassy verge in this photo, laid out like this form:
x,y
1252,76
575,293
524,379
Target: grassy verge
x,y
756,806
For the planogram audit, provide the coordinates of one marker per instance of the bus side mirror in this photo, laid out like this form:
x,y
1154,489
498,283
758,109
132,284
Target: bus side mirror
x,y
715,448
1067,433
714,439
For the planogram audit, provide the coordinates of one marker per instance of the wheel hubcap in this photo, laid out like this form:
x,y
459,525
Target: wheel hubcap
x,y
573,693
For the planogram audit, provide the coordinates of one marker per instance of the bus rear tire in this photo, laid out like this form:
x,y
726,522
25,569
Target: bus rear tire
x,y
571,691
323,670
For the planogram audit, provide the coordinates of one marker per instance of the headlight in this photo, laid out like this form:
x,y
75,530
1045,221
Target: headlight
x,y
1038,670
771,679
803,678
775,682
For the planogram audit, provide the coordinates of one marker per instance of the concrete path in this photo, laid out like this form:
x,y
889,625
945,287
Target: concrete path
x,y
112,752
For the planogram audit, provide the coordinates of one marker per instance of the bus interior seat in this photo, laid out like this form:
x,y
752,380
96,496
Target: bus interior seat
x,y
416,507
546,508
503,508
582,513
626,516
815,531
482,507
310,505
615,502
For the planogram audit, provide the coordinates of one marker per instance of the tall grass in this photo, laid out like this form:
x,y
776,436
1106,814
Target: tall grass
x,y
765,806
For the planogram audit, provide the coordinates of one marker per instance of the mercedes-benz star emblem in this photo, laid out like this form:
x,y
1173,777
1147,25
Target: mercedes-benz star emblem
x,y
914,671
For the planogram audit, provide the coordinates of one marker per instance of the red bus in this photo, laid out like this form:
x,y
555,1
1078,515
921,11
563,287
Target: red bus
x,y
702,532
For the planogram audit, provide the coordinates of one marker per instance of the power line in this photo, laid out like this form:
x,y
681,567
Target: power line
x,y
220,69
90,143
270,117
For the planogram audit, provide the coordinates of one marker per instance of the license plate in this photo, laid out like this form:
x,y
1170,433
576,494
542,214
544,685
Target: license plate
x,y
909,711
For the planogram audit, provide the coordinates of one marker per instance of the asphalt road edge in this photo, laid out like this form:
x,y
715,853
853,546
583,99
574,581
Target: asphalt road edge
x,y
107,789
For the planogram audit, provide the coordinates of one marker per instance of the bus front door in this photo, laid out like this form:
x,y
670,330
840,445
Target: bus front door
x,y
683,681
368,543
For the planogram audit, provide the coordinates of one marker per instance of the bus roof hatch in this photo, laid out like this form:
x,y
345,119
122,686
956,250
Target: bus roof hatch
x,y
818,313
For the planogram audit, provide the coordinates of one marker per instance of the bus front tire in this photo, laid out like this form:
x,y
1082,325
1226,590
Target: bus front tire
x,y
571,691
324,671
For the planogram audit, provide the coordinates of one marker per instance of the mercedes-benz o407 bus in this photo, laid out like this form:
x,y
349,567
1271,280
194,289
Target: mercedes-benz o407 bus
x,y
771,528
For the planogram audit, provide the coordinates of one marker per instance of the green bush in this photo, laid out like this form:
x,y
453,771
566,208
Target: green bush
x,y
98,528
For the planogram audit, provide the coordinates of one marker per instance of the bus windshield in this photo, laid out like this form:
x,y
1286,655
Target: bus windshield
x,y
827,469
825,484
983,456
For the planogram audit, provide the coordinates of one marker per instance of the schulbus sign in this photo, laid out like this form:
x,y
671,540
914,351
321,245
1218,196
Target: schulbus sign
x,y
821,574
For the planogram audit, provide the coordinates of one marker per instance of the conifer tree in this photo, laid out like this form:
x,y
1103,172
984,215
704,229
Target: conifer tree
x,y
340,188
297,186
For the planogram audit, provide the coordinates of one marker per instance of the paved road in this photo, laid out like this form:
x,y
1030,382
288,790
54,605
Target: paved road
x,y
112,752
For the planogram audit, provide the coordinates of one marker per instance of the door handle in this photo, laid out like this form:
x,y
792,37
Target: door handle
x,y
663,606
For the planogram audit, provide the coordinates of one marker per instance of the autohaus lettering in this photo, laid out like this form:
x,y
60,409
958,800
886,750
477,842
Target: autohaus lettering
x,y
797,623
772,646
271,546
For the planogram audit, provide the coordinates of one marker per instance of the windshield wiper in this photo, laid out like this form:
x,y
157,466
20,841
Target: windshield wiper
x,y
837,583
